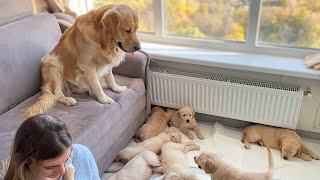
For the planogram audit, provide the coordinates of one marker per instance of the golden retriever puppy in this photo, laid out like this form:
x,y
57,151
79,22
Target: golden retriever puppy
x,y
184,120
156,123
174,162
220,170
83,59
286,140
153,144
138,168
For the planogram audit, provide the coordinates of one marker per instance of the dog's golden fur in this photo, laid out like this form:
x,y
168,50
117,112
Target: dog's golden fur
x,y
220,170
138,168
153,144
286,140
85,55
174,162
184,120
156,123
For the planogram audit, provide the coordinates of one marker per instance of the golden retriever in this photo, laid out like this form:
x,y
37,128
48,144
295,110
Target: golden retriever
x,y
85,55
138,168
174,162
220,170
184,120
286,140
153,144
156,123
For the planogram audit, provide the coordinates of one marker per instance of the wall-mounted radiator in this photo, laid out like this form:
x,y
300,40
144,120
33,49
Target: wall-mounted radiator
x,y
250,100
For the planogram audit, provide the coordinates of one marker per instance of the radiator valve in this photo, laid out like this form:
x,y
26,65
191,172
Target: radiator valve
x,y
308,94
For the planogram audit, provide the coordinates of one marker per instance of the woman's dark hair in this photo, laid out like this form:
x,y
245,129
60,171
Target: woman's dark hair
x,y
39,138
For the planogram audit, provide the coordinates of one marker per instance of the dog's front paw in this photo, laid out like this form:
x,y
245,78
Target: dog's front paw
x,y
316,157
119,89
105,100
201,137
191,137
68,101
69,174
247,146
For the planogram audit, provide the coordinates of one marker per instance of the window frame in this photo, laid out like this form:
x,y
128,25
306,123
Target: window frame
x,y
250,45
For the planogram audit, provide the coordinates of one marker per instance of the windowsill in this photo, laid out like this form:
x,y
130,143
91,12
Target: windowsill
x,y
287,66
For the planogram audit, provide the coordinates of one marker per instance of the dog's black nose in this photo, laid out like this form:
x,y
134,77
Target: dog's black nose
x,y
188,120
285,158
199,167
137,47
194,157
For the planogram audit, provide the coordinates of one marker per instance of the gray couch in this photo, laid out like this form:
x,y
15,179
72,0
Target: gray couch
x,y
105,129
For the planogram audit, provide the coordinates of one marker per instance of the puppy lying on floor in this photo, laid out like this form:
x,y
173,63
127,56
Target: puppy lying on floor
x,y
184,120
286,140
220,170
138,168
153,144
175,164
156,123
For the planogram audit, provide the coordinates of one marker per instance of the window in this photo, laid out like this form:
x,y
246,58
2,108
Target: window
x,y
279,27
225,20
143,7
291,23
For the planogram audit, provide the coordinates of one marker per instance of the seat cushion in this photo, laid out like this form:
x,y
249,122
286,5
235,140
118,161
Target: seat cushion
x,y
88,121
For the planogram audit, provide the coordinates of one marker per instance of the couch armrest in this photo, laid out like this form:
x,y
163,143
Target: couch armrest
x,y
136,65
65,20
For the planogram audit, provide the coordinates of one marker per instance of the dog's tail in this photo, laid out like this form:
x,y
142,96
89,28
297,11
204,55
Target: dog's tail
x,y
270,170
45,101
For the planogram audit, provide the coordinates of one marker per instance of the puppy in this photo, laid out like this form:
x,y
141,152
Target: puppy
x,y
175,164
184,120
220,170
286,140
69,174
83,59
139,168
153,144
156,123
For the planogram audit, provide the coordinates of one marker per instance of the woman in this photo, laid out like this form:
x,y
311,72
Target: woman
x,y
43,148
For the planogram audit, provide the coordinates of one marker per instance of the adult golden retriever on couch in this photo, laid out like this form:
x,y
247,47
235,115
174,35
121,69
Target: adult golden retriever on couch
x,y
83,59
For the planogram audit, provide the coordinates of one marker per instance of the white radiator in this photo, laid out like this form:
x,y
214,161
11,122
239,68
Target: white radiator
x,y
250,100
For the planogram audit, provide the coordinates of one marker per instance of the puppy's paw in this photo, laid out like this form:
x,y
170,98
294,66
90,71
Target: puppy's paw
x,y
316,157
191,137
247,146
105,99
260,143
201,137
69,174
119,89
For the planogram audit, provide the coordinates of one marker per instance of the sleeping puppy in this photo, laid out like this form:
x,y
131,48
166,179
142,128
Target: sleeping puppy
x,y
220,170
184,120
156,123
174,161
83,59
286,140
153,144
138,168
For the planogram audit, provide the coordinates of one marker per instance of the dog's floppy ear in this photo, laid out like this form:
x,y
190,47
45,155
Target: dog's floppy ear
x,y
178,114
210,166
111,21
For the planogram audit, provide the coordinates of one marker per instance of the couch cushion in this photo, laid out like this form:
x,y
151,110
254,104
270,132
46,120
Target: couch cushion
x,y
22,45
88,121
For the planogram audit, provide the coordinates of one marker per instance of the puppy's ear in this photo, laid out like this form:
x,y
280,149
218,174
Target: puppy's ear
x,y
210,166
178,114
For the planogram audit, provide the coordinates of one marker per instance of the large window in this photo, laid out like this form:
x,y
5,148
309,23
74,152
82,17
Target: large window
x,y
289,27
143,7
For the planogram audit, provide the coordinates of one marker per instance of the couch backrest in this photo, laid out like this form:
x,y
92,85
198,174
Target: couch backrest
x,y
22,45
